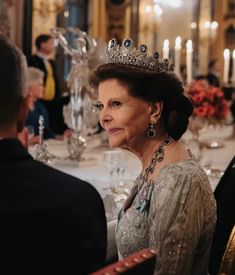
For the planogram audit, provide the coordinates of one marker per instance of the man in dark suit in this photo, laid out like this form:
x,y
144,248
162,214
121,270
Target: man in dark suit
x,y
224,195
213,72
42,61
51,223
52,96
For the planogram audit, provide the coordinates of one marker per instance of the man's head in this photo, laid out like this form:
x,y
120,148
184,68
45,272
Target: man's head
x,y
44,44
13,87
214,66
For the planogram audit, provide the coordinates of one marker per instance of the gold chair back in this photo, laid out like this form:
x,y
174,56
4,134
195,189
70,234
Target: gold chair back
x,y
228,262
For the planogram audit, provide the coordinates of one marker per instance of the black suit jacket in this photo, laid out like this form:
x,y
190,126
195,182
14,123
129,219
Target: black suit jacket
x,y
225,199
213,79
51,223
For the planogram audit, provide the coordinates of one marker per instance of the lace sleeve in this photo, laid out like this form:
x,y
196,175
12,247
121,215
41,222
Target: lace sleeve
x,y
177,221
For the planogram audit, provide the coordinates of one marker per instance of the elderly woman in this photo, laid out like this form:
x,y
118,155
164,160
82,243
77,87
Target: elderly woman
x,y
36,108
171,207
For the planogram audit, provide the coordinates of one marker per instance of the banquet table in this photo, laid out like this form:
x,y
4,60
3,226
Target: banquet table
x,y
91,168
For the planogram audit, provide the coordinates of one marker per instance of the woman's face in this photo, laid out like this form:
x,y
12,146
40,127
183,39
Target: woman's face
x,y
125,118
37,90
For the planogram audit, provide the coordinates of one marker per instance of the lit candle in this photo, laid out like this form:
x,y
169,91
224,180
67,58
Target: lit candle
x,y
166,49
189,60
177,54
233,73
214,27
226,65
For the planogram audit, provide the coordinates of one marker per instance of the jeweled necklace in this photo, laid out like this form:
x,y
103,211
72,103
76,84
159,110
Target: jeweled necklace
x,y
145,186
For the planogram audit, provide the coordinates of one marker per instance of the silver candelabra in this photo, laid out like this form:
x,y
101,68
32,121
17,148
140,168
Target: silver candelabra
x,y
79,114
41,152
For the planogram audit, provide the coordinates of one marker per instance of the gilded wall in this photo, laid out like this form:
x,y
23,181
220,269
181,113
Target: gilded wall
x,y
44,16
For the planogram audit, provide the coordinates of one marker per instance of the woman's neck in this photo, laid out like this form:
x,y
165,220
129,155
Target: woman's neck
x,y
146,150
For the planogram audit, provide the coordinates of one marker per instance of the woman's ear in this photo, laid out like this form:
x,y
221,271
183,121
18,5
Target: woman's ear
x,y
156,111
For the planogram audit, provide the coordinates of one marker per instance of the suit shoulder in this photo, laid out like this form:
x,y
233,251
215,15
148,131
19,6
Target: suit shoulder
x,y
34,59
61,180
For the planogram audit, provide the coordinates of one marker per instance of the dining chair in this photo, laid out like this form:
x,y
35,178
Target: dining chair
x,y
140,263
228,262
225,200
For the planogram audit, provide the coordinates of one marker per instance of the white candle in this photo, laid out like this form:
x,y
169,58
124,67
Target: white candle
x,y
226,65
233,72
166,49
177,54
189,61
214,27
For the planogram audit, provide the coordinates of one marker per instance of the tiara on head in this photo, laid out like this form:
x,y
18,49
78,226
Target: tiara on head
x,y
127,54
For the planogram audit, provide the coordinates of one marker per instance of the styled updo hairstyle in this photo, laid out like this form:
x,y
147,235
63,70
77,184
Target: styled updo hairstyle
x,y
152,87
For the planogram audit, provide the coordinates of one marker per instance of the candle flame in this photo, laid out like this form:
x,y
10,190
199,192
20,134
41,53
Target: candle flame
x,y
189,45
226,53
178,42
214,25
166,44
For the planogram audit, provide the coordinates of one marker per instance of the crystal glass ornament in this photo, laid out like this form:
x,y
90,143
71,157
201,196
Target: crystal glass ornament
x,y
41,153
79,114
76,146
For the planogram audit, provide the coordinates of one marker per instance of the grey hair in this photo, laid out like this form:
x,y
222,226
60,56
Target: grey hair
x,y
35,76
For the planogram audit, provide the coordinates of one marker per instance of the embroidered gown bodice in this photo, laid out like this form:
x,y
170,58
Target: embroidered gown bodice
x,y
179,222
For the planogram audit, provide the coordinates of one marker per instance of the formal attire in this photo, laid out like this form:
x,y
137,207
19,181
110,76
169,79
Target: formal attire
x,y
224,195
46,65
51,223
213,79
178,221
52,99
33,120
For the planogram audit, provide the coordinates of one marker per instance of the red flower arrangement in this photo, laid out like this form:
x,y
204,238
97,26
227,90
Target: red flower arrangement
x,y
209,101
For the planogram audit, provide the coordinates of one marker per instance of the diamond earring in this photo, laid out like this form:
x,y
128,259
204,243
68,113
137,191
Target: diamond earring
x,y
151,132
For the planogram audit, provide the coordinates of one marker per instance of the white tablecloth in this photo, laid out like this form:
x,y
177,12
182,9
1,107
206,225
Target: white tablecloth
x,y
92,170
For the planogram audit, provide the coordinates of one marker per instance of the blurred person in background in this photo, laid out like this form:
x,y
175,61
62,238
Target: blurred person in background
x,y
52,99
42,60
213,73
36,108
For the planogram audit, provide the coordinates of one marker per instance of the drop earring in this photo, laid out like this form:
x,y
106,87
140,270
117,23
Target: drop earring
x,y
151,132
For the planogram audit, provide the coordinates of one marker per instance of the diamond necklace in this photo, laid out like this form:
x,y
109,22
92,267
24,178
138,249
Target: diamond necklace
x,y
144,186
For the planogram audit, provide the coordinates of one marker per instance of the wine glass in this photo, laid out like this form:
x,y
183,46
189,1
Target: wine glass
x,y
111,160
31,135
121,169
116,162
30,130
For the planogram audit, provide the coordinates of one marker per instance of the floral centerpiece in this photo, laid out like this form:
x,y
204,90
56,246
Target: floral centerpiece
x,y
209,102
210,106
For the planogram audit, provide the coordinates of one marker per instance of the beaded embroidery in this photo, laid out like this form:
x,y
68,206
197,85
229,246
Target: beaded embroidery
x,y
145,186
171,229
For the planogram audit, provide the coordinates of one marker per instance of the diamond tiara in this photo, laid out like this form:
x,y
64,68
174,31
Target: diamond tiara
x,y
127,54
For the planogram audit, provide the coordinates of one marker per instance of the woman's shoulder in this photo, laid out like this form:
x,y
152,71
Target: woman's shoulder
x,y
180,182
183,174
189,167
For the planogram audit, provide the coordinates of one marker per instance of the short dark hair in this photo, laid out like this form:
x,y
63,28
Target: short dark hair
x,y
212,63
201,77
152,87
12,81
41,39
